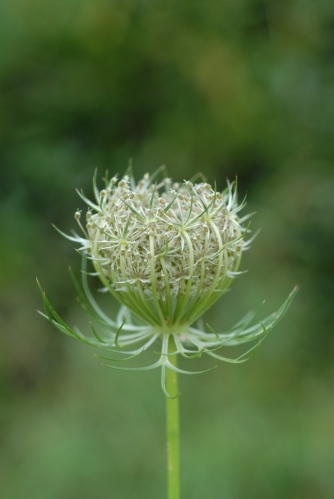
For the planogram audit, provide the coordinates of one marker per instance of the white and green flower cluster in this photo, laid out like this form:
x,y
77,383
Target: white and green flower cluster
x,y
166,252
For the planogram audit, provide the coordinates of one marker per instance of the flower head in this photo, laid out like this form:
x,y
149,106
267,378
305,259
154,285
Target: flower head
x,y
167,252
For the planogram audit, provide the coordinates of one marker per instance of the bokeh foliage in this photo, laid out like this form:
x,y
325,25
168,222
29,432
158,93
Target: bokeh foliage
x,y
224,87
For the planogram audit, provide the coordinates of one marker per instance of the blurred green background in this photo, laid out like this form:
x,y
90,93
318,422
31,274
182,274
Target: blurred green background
x,y
228,87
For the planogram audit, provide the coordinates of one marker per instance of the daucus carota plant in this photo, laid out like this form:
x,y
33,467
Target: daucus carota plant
x,y
167,252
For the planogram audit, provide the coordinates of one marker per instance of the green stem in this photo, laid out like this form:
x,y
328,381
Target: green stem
x,y
173,426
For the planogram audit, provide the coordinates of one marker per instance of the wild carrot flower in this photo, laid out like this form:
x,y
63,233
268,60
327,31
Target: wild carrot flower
x,y
167,252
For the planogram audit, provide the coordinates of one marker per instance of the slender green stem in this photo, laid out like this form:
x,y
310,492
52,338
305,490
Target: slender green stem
x,y
173,426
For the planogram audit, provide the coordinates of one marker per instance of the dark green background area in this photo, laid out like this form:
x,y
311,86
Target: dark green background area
x,y
235,87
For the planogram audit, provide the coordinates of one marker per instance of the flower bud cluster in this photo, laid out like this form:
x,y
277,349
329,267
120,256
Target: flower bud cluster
x,y
167,251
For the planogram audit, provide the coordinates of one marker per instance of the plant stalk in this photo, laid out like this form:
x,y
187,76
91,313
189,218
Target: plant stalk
x,y
173,426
